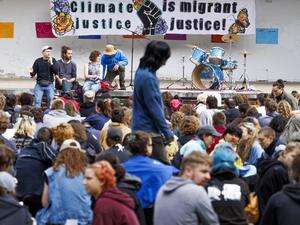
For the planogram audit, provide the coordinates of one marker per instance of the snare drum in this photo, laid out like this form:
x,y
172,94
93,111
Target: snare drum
x,y
229,65
199,56
216,55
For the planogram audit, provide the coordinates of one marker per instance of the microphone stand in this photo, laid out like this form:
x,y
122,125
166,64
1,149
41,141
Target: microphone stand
x,y
133,33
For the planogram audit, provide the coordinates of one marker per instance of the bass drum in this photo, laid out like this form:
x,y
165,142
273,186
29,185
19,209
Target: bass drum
x,y
207,76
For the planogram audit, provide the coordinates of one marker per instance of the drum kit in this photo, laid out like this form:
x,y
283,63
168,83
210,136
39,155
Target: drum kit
x,y
211,66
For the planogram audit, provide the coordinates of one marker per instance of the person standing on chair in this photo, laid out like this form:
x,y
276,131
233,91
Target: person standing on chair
x,y
148,113
114,62
66,70
44,71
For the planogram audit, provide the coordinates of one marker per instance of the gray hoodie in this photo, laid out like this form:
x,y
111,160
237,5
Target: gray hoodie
x,y
182,202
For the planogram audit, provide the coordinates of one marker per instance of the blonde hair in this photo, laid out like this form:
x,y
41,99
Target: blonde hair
x,y
2,101
63,132
176,120
285,109
244,146
25,126
127,116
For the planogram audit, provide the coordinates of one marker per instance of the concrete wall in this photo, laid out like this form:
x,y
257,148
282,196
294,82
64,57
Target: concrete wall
x,y
267,62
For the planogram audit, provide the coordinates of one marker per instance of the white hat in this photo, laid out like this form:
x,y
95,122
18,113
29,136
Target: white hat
x,y
202,97
7,181
46,48
71,143
89,94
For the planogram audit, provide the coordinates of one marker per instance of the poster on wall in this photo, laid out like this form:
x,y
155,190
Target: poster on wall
x,y
119,17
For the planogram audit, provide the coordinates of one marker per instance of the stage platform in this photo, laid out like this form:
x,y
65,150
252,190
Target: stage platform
x,y
191,94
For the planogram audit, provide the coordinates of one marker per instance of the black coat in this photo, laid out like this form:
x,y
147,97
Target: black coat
x,y
273,175
229,196
12,213
283,207
87,109
31,163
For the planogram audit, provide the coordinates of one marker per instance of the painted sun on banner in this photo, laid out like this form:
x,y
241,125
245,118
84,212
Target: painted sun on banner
x,y
102,17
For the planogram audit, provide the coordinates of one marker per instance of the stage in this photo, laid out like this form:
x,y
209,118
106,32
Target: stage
x,y
191,94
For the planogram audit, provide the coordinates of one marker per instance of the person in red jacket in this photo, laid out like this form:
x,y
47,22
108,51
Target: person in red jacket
x,y
112,206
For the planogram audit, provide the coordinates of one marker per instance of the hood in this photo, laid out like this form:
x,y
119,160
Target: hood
x,y
267,164
130,182
57,112
87,105
118,196
174,183
9,207
40,151
293,191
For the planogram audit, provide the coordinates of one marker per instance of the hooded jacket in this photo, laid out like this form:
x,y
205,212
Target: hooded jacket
x,y
56,117
31,163
12,212
131,185
180,201
114,207
97,120
273,175
229,196
283,207
87,109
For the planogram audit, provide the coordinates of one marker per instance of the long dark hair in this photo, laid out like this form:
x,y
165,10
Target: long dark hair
x,y
156,55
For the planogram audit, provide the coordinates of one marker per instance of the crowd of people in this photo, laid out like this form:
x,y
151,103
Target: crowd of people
x,y
153,159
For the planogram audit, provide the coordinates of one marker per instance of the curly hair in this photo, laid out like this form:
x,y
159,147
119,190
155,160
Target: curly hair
x,y
137,142
176,120
2,101
188,110
80,134
63,132
189,125
73,160
38,114
105,173
285,109
240,99
167,97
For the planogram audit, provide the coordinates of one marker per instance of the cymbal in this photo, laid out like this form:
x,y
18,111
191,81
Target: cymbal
x,y
190,46
230,38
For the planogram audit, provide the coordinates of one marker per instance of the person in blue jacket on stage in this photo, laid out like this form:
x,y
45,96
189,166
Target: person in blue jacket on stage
x,y
114,62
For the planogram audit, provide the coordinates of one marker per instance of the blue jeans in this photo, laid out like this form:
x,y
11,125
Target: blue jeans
x,y
39,91
90,86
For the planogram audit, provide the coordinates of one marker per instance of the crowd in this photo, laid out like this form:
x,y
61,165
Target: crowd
x,y
153,159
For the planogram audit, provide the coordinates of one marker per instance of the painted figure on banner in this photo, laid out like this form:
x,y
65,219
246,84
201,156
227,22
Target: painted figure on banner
x,y
241,23
62,21
150,15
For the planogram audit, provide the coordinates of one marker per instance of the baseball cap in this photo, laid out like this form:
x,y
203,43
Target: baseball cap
x,y
46,48
208,130
71,143
89,94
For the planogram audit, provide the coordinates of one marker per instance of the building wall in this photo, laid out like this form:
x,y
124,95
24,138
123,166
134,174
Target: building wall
x,y
267,62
